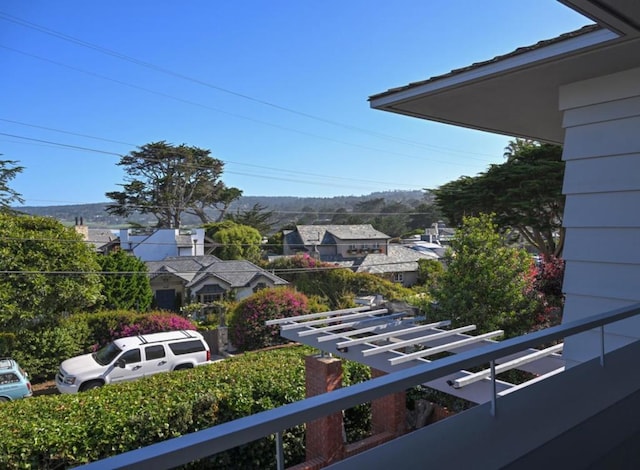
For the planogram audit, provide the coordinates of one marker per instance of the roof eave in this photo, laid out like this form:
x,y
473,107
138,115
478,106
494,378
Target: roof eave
x,y
479,79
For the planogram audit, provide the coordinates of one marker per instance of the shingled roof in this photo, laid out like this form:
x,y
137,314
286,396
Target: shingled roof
x,y
185,267
326,234
398,259
236,273
519,51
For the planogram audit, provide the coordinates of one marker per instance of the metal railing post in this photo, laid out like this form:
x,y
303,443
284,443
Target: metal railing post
x,y
494,392
602,345
279,452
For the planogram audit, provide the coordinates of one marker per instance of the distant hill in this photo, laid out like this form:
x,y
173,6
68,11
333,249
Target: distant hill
x,y
286,209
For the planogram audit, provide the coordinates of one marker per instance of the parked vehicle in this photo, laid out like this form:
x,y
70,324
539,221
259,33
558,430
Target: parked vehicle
x,y
14,381
132,358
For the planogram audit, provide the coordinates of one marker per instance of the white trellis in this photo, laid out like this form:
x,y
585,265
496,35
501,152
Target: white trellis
x,y
389,338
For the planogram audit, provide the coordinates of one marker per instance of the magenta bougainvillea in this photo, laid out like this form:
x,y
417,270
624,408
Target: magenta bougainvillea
x,y
547,286
151,323
247,327
155,323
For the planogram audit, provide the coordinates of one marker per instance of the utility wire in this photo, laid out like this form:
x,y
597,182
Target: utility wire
x,y
262,167
317,269
157,68
201,167
240,116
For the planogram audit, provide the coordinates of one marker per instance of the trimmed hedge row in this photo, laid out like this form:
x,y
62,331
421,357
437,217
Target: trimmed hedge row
x,y
61,431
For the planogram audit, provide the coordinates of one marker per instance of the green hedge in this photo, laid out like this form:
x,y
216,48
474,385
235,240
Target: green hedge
x,y
60,431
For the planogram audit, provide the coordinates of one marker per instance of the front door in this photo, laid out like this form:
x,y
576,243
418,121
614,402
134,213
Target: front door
x,y
166,299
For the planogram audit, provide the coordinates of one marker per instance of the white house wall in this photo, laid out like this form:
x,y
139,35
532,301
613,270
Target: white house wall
x,y
161,244
602,216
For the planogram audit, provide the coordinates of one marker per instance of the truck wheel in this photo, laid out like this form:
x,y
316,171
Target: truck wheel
x,y
91,385
183,367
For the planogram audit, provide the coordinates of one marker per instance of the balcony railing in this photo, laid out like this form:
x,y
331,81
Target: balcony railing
x,y
201,444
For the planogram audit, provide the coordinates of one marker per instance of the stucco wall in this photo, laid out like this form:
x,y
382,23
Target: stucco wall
x,y
602,216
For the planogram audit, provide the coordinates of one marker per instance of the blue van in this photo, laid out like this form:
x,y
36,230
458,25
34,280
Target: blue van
x,y
14,381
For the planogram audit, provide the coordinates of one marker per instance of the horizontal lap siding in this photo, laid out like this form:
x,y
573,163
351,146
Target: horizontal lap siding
x,y
602,210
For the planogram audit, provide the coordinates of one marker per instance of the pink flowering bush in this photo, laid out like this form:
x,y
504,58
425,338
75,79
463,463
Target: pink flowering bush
x,y
154,323
114,325
247,330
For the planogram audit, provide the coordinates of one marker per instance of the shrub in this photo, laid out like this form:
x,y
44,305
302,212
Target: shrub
x,y
40,350
247,329
62,431
154,323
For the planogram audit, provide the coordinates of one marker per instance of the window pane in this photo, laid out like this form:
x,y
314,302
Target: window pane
x,y
186,347
154,352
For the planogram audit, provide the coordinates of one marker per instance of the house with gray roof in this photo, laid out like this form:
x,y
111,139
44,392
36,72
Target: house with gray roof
x,y
179,280
102,240
361,248
334,242
399,264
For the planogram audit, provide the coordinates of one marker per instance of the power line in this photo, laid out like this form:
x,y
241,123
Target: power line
x,y
315,175
318,269
157,68
262,176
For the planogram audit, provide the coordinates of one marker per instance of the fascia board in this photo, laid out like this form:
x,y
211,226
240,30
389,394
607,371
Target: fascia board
x,y
505,66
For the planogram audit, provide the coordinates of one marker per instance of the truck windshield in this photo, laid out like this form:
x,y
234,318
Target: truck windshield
x,y
107,354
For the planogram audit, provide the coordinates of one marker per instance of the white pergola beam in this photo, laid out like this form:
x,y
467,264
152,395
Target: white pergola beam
x,y
335,319
483,374
352,333
444,347
340,326
310,316
398,333
421,339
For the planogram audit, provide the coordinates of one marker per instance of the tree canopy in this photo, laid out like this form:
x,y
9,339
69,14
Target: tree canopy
x,y
524,193
8,171
125,283
486,283
234,241
257,217
167,180
48,270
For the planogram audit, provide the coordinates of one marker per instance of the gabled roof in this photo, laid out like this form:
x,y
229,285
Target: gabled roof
x,y
322,234
516,94
100,237
185,267
398,259
235,273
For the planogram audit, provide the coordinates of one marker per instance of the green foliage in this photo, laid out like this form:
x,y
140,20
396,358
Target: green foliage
x,y
247,330
167,180
51,271
275,243
235,241
524,193
8,171
61,431
7,343
40,350
258,217
125,283
357,420
337,287
487,282
429,272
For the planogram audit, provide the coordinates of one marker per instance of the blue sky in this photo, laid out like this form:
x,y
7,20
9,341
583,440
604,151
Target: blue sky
x,y
276,89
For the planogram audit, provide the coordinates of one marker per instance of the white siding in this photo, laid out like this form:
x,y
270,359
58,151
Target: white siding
x,y
602,186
